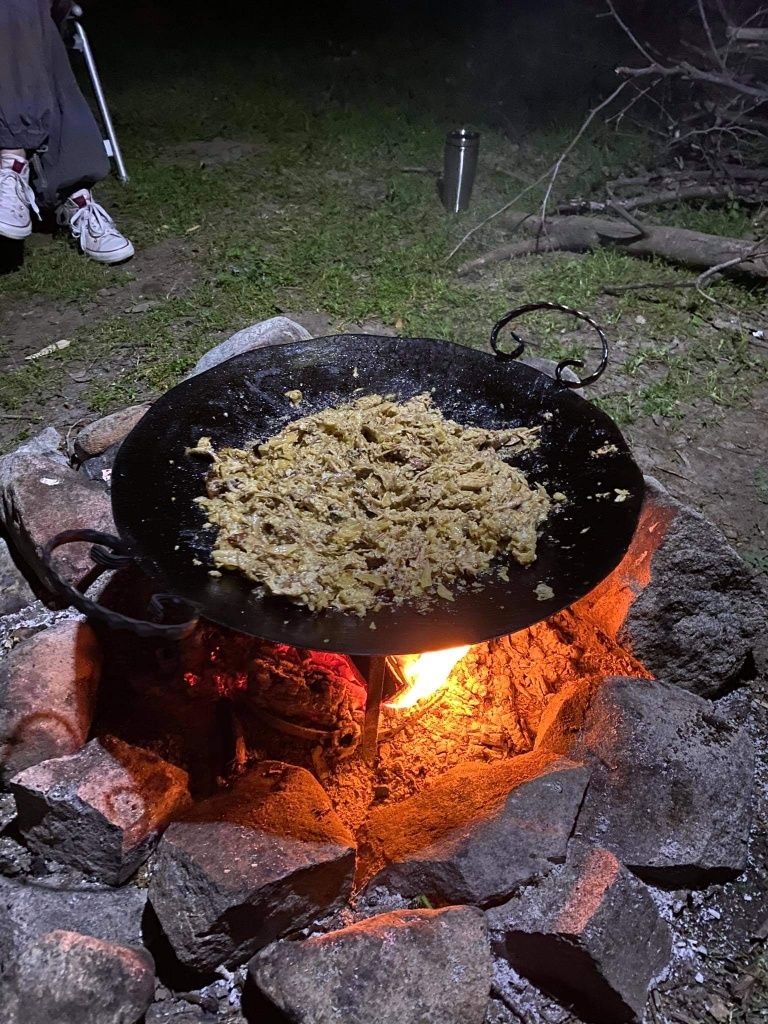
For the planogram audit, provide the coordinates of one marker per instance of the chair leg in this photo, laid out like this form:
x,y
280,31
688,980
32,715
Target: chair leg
x,y
113,149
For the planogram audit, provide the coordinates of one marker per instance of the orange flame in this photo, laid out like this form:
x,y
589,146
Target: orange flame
x,y
423,674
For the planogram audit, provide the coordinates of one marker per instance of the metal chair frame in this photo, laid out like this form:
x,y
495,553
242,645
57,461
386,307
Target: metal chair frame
x,y
79,42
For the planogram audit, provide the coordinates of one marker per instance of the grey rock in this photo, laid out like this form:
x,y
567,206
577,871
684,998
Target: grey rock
x,y
15,591
279,330
7,810
40,496
96,437
47,442
682,601
99,467
478,832
68,978
590,934
670,791
405,967
176,1011
101,810
29,910
48,687
249,864
15,859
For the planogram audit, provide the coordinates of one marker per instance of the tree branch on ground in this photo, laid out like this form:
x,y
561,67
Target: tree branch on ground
x,y
677,245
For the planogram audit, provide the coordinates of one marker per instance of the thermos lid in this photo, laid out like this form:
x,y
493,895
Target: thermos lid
x,y
462,137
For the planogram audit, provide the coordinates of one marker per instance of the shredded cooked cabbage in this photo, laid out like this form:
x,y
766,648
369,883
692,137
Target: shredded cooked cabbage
x,y
370,504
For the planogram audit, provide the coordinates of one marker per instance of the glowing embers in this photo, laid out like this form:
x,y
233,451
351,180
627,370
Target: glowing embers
x,y
422,675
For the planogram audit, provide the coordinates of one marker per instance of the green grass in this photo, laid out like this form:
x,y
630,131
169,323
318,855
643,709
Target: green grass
x,y
323,218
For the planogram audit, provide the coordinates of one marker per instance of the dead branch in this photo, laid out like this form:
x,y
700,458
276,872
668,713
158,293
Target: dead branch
x,y
559,162
664,197
628,32
678,245
743,34
727,264
622,289
625,215
710,38
694,74
734,172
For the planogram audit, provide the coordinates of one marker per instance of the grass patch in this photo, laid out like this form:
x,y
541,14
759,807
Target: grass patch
x,y
323,217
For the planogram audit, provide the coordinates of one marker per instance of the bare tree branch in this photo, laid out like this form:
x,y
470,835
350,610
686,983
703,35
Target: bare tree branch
x,y
748,35
574,141
735,261
680,194
707,28
686,70
628,31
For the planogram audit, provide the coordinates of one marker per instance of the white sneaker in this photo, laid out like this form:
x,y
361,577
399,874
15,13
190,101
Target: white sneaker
x,y
16,198
94,229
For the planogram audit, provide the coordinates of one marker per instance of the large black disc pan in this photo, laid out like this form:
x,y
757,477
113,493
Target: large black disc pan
x,y
154,484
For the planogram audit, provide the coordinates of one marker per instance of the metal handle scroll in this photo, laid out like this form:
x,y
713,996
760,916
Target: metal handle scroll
x,y
114,555
530,307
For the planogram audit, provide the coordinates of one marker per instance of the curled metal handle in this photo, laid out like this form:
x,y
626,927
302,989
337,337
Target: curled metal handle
x,y
529,307
112,553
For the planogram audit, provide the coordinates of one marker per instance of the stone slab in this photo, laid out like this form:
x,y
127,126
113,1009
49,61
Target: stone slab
x,y
40,496
30,909
590,934
671,784
101,810
264,858
96,437
15,591
405,967
279,330
48,686
682,601
67,978
476,833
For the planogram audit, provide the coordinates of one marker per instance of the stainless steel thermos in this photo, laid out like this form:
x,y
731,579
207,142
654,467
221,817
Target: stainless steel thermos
x,y
459,167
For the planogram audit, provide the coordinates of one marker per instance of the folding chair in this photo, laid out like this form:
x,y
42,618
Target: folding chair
x,y
78,40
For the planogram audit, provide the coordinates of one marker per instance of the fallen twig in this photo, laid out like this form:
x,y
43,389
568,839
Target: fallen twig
x,y
726,172
559,162
726,264
664,197
621,289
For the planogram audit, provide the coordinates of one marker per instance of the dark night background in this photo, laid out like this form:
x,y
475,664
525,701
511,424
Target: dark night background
x,y
508,61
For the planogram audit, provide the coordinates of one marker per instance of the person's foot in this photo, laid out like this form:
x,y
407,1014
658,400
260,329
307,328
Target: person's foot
x,y
16,198
93,228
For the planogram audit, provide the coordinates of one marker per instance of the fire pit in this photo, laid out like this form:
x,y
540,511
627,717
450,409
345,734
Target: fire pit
x,y
528,812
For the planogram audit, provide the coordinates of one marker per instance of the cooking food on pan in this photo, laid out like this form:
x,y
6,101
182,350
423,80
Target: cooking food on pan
x,y
372,503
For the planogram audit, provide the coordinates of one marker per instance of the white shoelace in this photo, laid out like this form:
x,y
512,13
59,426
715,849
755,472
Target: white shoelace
x,y
92,219
13,184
